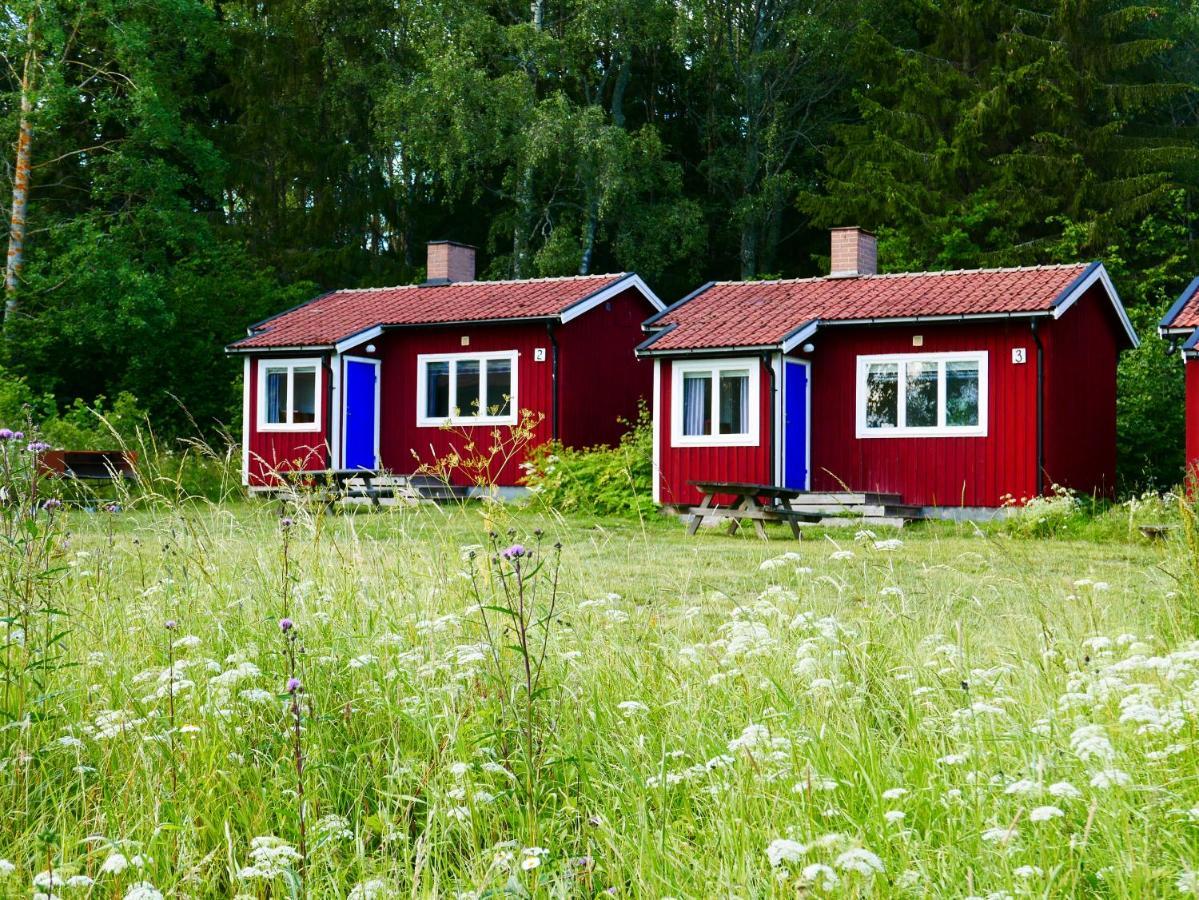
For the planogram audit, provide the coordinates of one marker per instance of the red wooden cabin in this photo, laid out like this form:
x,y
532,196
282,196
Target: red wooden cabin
x,y
1181,323
395,378
947,388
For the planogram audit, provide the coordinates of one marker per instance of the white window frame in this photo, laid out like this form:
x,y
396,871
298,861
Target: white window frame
x,y
456,417
901,430
714,367
318,398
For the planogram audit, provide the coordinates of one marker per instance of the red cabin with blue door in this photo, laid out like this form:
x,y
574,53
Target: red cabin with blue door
x,y
1180,325
951,389
396,379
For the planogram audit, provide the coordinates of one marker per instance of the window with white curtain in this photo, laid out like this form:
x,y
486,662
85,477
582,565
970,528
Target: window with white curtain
x,y
466,388
715,403
922,395
289,393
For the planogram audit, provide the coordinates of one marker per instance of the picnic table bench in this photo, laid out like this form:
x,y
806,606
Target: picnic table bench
x,y
746,506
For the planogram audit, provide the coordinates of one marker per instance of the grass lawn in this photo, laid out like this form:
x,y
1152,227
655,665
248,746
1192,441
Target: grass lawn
x,y
960,713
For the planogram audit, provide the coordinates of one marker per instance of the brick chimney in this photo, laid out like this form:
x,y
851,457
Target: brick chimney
x,y
450,261
855,252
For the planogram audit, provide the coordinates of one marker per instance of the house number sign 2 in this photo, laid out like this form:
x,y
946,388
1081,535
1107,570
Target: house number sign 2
x,y
1019,355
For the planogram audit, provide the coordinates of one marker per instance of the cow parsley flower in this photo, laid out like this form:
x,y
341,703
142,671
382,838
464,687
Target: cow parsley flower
x,y
115,864
375,889
1188,882
1064,790
6,869
1045,813
1109,778
860,860
894,793
783,850
631,708
821,877
142,890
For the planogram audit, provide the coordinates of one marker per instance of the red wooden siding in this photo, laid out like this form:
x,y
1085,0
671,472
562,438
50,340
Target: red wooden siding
x,y
678,465
1081,353
271,451
928,471
600,379
404,446
1192,417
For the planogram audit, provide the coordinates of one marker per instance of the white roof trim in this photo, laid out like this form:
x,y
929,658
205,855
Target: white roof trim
x,y
1098,274
800,336
602,296
355,339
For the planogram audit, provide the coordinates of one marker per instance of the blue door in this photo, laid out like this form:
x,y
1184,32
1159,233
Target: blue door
x,y
362,413
795,425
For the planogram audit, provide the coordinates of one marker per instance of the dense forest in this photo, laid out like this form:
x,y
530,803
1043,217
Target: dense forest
x,y
196,164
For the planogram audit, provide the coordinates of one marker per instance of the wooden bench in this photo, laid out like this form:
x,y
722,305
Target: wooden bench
x,y
88,469
746,506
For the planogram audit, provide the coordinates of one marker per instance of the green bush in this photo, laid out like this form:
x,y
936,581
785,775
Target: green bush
x,y
602,481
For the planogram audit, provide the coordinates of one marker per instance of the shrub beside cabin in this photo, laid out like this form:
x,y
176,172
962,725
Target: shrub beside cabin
x,y
1181,324
392,378
951,389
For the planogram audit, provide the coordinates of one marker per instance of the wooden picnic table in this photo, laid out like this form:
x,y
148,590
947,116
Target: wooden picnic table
x,y
746,506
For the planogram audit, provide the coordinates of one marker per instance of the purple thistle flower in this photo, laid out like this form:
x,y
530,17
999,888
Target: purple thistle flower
x,y
171,625
38,447
6,434
112,507
286,625
286,522
293,685
52,504
18,435
516,551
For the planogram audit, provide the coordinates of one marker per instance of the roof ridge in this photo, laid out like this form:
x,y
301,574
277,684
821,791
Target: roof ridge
x,y
542,280
924,274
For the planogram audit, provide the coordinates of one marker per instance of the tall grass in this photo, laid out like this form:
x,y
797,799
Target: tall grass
x,y
961,712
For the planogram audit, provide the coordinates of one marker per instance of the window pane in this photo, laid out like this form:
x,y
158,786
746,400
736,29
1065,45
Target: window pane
x,y
276,396
921,395
303,395
882,395
499,387
697,403
734,402
437,390
961,393
467,380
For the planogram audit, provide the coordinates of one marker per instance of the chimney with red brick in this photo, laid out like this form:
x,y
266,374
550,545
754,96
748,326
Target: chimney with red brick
x,y
450,261
854,253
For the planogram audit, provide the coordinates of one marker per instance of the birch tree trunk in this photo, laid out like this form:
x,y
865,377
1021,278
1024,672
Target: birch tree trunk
x,y
20,183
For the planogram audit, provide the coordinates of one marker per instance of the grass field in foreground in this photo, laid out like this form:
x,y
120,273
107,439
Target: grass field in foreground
x,y
949,713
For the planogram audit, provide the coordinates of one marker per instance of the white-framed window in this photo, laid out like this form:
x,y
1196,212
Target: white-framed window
x,y
922,395
466,388
714,403
289,394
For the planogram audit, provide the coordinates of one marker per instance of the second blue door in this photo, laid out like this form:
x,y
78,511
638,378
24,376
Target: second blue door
x,y
362,414
795,425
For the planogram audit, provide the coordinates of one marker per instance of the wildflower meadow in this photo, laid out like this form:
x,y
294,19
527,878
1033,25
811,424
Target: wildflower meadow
x,y
242,700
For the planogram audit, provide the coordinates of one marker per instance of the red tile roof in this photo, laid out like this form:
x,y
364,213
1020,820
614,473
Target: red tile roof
x,y
335,316
764,313
1184,314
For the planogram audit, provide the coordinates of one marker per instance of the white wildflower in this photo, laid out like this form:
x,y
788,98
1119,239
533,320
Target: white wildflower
x,y
1064,790
1109,778
783,851
142,890
375,889
859,859
820,876
115,864
1044,814
631,708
